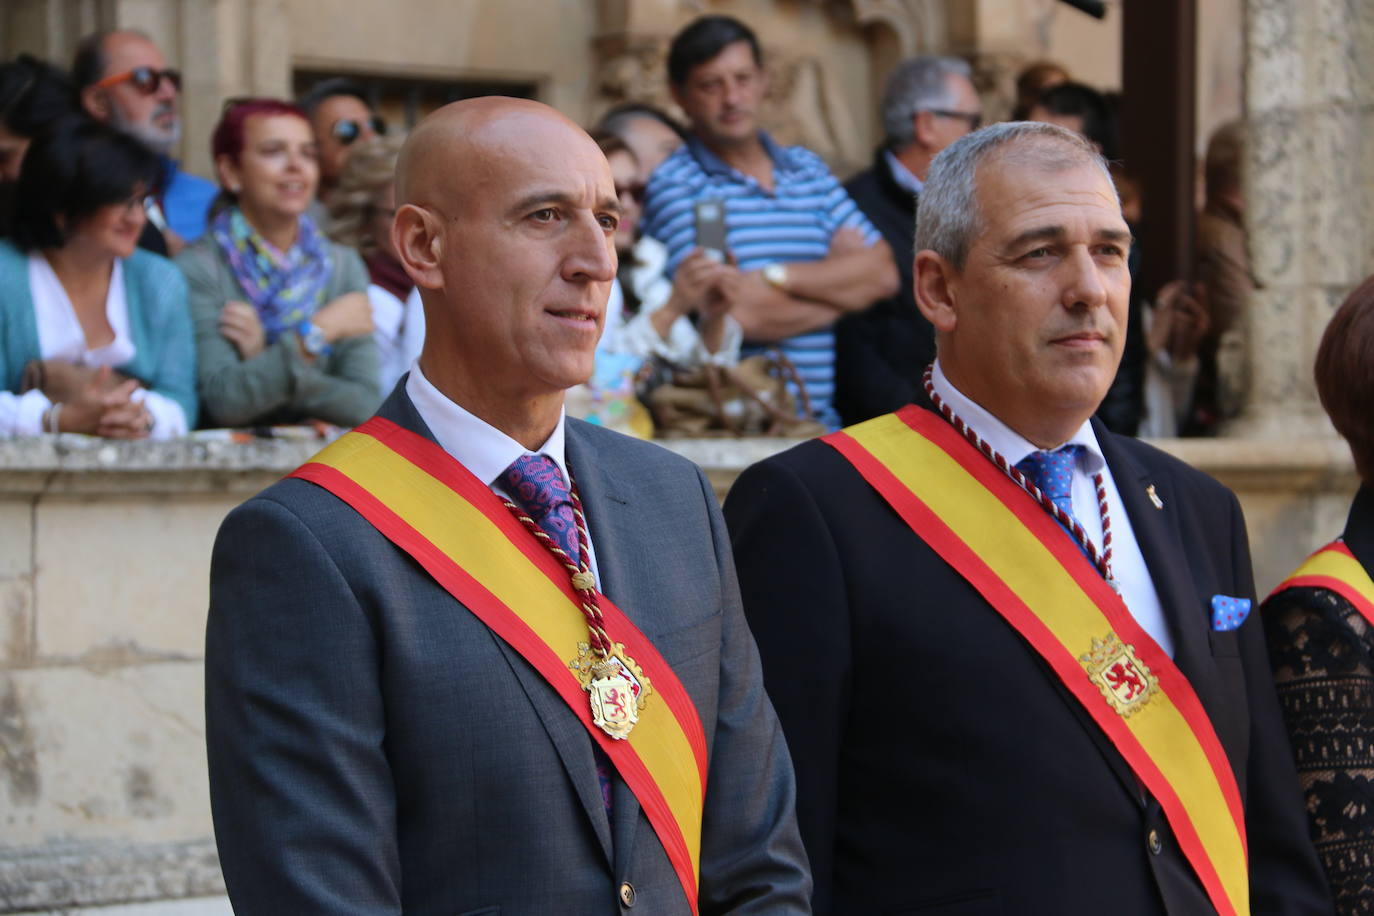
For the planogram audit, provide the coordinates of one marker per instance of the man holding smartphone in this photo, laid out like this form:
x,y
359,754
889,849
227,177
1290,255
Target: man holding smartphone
x,y
804,253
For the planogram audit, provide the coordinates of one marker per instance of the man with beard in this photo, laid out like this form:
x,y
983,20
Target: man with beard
x,y
122,79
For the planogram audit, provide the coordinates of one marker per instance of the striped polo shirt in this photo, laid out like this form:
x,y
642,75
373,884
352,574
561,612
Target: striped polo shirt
x,y
793,222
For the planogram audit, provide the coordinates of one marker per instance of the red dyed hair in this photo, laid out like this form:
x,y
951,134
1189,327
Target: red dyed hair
x,y
227,140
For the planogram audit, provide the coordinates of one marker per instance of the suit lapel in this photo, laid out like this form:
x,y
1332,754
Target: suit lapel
x,y
566,732
1159,534
610,522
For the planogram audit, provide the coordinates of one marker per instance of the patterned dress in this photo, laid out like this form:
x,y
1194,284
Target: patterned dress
x,y
1322,651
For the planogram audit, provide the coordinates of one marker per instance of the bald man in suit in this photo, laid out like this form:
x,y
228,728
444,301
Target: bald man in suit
x,y
385,735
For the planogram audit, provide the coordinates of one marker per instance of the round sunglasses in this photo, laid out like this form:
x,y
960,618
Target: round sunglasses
x,y
145,79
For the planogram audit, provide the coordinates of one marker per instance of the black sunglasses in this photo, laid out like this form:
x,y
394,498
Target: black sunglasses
x,y
972,118
348,130
145,79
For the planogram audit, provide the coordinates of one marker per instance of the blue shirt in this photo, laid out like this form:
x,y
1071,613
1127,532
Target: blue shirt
x,y
795,221
185,201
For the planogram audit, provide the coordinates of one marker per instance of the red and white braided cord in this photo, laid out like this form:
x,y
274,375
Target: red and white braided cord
x,y
598,638
1102,561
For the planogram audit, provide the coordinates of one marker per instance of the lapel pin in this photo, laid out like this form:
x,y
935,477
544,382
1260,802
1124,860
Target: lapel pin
x,y
1154,497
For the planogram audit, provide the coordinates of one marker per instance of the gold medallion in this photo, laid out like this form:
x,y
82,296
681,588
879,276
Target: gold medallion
x,y
1125,681
614,708
617,688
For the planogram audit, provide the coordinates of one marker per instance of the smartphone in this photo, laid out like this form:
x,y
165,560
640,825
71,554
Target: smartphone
x,y
710,214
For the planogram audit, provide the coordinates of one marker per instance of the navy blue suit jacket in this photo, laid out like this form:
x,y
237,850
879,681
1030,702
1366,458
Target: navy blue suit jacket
x,y
942,767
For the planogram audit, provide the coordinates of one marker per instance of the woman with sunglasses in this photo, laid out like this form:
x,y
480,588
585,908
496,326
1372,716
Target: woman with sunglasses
x,y
94,333
282,322
360,215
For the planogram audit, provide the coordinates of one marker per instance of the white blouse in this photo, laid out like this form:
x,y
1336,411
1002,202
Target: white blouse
x,y
60,337
683,347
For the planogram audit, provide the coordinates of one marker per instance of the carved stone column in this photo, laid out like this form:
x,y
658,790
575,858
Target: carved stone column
x,y
1309,192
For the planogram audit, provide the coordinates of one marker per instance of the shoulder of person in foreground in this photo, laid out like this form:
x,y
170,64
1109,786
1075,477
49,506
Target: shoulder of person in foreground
x,y
301,793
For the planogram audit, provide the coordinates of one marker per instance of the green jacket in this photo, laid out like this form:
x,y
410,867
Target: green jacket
x,y
164,356
278,385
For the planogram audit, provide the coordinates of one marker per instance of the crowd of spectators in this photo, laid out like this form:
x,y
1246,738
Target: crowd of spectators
x,y
284,301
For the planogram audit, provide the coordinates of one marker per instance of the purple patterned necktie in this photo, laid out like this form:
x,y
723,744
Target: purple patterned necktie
x,y
537,486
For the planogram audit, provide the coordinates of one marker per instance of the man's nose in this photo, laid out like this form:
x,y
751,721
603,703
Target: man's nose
x,y
732,93
1086,286
593,254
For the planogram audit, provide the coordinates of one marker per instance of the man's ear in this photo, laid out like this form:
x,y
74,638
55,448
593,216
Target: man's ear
x,y
96,101
417,235
934,282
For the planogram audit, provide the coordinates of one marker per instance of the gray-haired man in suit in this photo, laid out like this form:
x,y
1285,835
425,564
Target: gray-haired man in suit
x,y
385,735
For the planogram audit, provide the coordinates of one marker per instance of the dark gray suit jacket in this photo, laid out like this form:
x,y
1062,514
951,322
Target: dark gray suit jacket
x,y
359,765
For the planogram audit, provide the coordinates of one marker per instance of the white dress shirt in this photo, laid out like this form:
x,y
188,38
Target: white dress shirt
x,y
60,337
1128,564
480,447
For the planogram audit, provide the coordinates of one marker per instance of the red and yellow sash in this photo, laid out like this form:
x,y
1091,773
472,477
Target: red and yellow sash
x,y
432,507
1334,567
999,539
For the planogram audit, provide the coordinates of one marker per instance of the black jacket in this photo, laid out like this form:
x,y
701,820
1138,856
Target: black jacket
x,y
881,352
942,766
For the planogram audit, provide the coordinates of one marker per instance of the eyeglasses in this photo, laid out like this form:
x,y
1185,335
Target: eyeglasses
x,y
145,79
348,130
636,192
972,118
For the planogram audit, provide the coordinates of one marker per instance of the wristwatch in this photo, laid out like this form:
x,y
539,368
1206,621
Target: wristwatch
x,y
776,275
313,339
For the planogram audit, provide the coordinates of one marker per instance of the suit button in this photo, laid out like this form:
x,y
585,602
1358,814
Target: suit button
x,y
627,894
1155,843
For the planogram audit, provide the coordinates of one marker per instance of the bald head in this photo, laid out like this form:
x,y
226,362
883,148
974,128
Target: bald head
x,y
453,149
506,222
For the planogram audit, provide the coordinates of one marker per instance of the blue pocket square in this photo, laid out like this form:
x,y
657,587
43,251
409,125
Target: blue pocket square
x,y
1229,613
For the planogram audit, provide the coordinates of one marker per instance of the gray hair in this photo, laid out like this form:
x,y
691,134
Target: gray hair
x,y
918,84
948,218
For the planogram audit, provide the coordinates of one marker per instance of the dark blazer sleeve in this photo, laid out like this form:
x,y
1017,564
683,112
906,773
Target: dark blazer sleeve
x,y
295,725
793,587
752,859
1285,875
